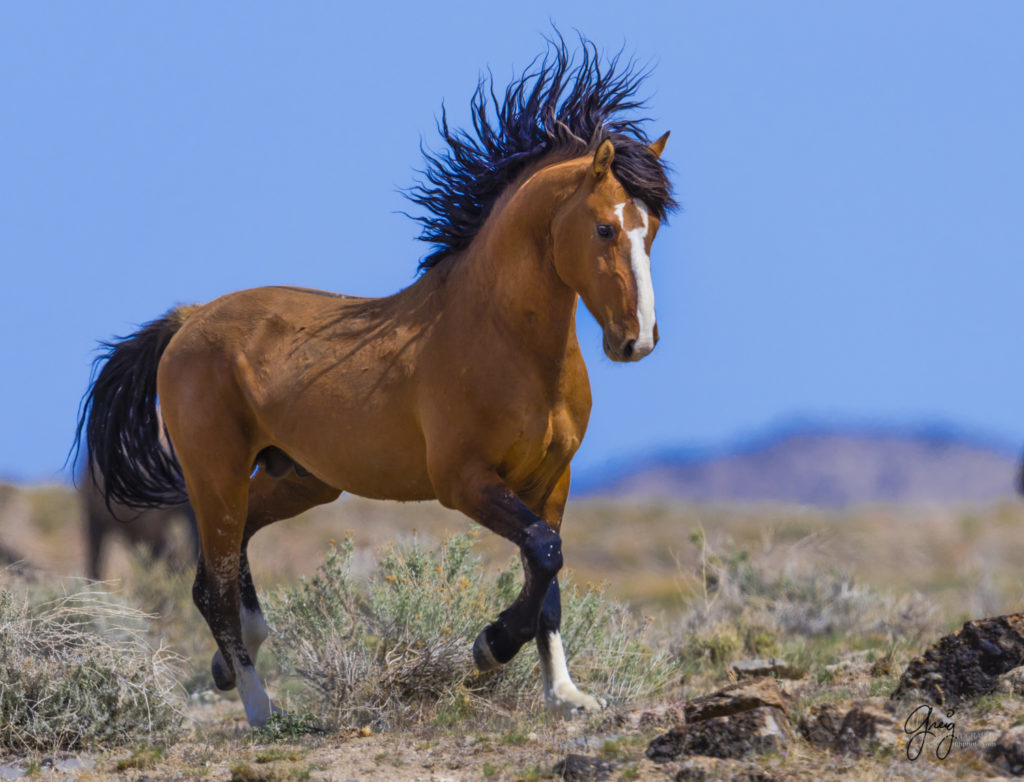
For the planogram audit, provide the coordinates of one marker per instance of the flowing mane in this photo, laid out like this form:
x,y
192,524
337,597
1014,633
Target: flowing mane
x,y
558,106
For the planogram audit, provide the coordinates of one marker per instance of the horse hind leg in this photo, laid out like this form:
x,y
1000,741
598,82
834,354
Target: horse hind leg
x,y
96,533
217,593
270,499
253,625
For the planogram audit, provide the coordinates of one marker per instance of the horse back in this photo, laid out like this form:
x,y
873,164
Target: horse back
x,y
324,377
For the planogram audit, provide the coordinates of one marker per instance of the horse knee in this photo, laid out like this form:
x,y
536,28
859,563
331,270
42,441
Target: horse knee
x,y
542,551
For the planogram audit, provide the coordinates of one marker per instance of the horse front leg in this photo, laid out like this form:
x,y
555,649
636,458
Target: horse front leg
x,y
492,504
561,695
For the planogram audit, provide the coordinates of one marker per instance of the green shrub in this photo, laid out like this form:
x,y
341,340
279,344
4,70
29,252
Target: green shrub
x,y
397,647
287,726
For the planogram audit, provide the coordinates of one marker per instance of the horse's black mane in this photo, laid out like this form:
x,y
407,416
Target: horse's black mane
x,y
555,106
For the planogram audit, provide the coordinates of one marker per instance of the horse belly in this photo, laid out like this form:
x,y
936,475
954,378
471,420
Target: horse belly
x,y
393,479
367,456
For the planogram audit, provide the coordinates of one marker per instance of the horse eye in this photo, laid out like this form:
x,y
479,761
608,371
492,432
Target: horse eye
x,y
605,231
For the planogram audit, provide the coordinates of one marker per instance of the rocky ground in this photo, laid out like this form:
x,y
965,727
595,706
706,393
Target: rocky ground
x,y
756,729
816,705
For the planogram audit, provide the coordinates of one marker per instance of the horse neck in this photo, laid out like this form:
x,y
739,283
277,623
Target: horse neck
x,y
510,265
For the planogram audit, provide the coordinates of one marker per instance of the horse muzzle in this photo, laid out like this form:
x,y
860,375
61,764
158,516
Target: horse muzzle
x,y
628,348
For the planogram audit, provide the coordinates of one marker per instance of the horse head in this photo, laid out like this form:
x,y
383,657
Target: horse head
x,y
602,242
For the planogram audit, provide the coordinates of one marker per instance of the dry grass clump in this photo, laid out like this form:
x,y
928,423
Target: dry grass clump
x,y
778,601
76,673
396,648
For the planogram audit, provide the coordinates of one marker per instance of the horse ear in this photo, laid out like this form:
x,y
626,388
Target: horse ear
x,y
659,146
603,158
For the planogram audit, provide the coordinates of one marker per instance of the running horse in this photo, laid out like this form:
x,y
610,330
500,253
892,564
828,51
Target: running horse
x,y
467,387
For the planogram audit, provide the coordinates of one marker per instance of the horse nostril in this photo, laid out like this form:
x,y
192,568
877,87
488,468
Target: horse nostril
x,y
627,349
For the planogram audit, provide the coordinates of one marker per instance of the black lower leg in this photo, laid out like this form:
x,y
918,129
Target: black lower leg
x,y
254,628
516,625
549,622
96,536
247,590
220,623
551,610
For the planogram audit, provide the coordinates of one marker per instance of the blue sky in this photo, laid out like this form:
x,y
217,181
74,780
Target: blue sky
x,y
852,177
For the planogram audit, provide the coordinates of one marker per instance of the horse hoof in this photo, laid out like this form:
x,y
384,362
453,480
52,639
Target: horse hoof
x,y
567,702
258,711
483,657
223,676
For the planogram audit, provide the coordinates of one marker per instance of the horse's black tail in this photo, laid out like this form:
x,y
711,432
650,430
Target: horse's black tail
x,y
130,457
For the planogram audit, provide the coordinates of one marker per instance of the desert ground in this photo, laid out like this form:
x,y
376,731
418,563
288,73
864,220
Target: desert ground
x,y
812,615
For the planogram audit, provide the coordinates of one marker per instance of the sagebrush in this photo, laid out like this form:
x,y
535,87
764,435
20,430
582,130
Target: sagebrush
x,y
773,602
396,647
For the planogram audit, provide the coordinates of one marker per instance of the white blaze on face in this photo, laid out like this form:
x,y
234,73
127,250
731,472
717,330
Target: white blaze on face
x,y
641,263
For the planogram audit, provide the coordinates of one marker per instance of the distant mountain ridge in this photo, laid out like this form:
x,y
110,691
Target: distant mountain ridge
x,y
825,466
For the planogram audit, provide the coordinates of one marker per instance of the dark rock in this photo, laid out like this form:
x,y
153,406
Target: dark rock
x,y
1008,752
736,722
966,663
668,746
582,768
820,725
846,729
735,698
865,723
740,735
